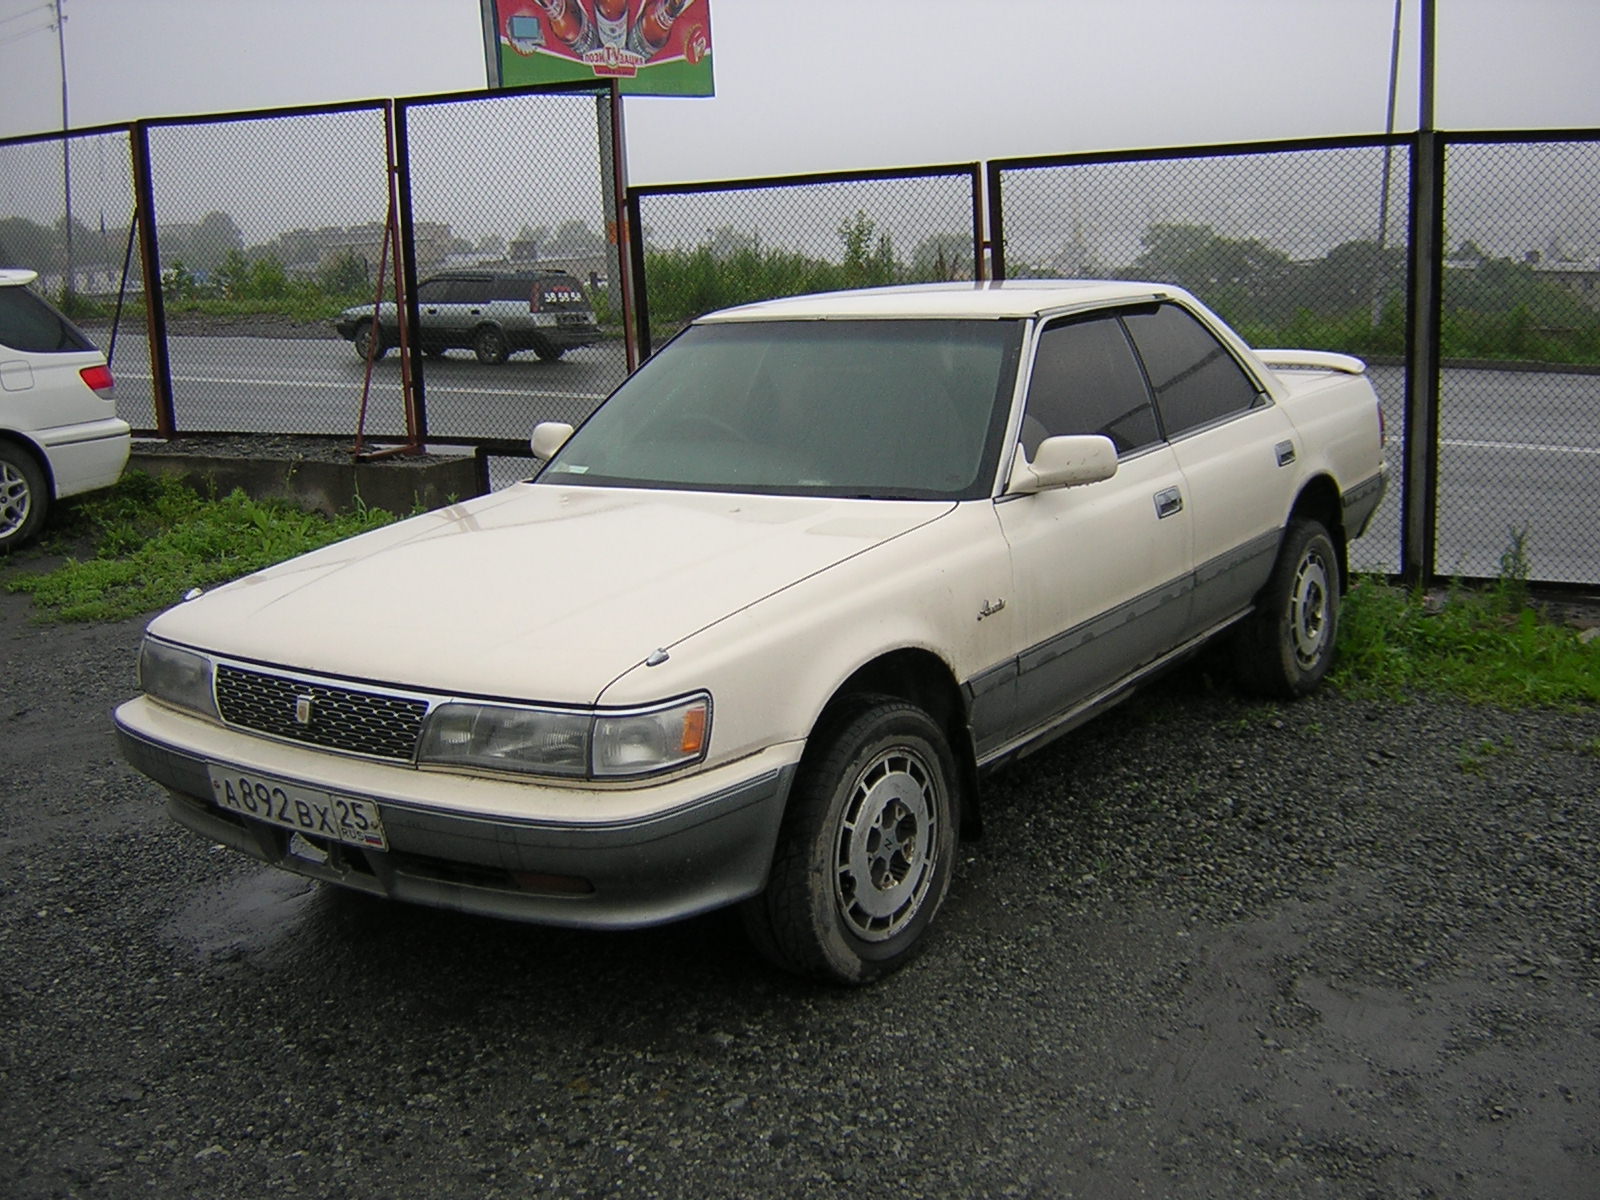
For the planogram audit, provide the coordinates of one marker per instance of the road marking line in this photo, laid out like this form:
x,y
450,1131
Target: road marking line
x,y
1529,446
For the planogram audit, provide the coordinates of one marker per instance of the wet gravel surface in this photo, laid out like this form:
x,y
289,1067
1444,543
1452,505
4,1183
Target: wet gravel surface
x,y
1208,947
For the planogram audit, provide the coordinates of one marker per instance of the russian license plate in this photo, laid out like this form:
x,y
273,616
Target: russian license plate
x,y
306,810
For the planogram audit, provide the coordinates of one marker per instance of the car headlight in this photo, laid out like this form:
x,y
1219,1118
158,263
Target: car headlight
x,y
507,739
637,743
181,678
575,744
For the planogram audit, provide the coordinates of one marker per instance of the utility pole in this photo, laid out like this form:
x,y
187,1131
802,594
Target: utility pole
x,y
70,281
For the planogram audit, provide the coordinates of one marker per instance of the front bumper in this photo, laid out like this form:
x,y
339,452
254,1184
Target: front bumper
x,y
703,849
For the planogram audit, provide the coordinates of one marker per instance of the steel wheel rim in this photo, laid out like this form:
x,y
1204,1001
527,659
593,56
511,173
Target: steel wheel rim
x,y
884,855
1310,610
16,499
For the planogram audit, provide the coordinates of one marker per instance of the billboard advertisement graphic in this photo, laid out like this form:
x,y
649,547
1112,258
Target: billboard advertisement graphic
x,y
650,47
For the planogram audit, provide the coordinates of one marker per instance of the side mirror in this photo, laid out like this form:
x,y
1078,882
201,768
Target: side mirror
x,y
548,437
1064,462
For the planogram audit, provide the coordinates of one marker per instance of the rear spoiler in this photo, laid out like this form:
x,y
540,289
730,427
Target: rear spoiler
x,y
1312,360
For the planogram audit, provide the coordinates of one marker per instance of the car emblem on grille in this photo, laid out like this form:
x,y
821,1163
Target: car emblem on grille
x,y
302,709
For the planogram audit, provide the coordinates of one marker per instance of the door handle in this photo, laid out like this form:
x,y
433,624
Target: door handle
x,y
1169,503
1285,453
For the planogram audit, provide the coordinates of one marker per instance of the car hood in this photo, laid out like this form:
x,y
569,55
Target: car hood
x,y
538,592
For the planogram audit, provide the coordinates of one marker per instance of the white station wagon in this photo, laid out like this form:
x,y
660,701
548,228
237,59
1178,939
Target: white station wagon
x,y
59,430
758,627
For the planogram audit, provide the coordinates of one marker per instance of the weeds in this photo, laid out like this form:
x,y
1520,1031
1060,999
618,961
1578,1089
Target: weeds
x,y
1474,759
148,541
1485,646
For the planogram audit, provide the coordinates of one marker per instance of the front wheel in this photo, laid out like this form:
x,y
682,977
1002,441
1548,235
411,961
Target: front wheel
x,y
369,342
24,496
1286,646
866,849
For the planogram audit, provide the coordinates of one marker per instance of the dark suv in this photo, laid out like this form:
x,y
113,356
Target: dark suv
x,y
493,313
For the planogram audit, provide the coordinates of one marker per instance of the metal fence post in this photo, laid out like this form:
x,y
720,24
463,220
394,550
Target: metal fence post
x,y
997,240
635,265
155,311
406,273
614,187
1420,481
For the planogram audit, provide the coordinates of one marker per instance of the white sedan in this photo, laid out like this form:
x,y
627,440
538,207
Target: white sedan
x,y
59,430
758,627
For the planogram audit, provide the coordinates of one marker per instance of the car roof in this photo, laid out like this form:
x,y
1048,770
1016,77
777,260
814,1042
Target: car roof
x,y
16,276
984,300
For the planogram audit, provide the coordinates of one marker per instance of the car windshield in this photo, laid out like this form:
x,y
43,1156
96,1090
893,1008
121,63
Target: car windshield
x,y
891,409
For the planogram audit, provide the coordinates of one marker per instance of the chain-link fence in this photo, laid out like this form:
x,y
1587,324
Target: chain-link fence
x,y
267,226
87,263
514,211
1519,400
1303,246
707,246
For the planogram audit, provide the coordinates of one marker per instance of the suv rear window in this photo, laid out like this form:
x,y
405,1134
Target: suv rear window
x,y
511,287
30,324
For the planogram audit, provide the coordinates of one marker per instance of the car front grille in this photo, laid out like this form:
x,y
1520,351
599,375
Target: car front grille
x,y
319,713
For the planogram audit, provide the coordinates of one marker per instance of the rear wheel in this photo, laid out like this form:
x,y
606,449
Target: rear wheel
x,y
549,353
1286,647
489,344
866,849
24,496
369,342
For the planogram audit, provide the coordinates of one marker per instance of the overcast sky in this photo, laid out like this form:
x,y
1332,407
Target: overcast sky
x,y
847,84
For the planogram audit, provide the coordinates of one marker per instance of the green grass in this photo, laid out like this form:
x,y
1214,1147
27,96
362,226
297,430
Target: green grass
x,y
141,545
1487,646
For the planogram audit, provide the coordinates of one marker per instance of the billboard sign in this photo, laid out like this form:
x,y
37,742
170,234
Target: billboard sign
x,y
650,47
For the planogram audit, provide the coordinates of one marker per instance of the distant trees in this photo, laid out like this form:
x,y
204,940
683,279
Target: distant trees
x,y
1351,298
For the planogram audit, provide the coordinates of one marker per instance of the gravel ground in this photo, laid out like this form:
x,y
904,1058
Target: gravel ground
x,y
1208,947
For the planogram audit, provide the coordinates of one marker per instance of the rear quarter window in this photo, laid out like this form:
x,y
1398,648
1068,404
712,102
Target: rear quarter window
x,y
29,324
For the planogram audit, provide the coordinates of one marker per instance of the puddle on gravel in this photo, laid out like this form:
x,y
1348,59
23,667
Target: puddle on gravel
x,y
244,915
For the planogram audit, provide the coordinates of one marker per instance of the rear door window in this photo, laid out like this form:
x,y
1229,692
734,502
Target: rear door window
x,y
1195,380
29,324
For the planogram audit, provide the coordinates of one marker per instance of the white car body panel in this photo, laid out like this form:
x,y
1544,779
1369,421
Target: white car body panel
x,y
477,600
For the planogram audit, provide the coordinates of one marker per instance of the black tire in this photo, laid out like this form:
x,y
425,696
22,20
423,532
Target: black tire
x,y
866,849
24,496
549,353
369,340
489,344
1286,646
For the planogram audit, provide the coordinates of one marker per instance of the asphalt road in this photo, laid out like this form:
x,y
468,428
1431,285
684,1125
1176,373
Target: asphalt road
x,y
1206,948
241,384
1519,451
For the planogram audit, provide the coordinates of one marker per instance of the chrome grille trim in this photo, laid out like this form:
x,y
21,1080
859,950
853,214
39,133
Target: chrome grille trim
x,y
340,716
